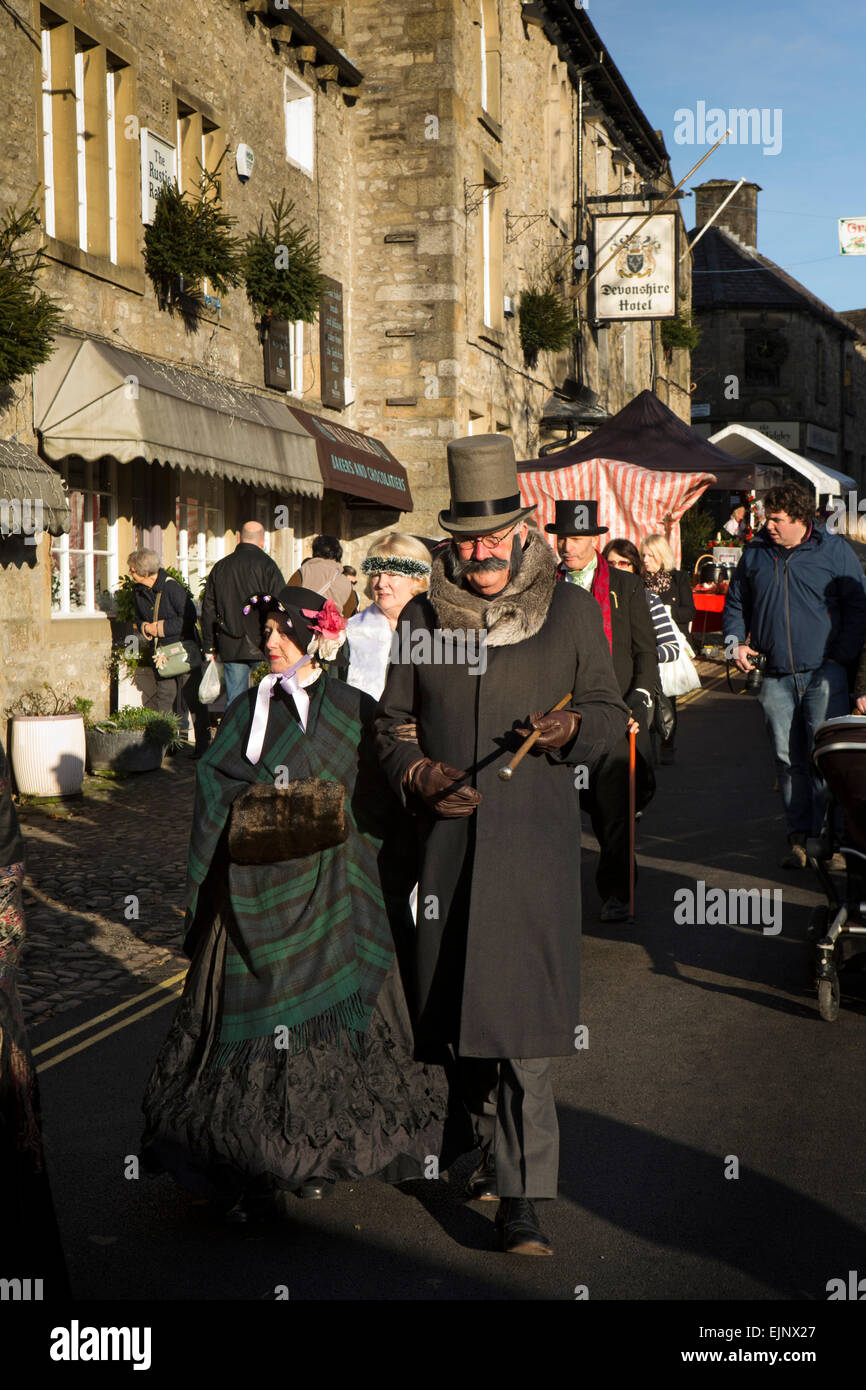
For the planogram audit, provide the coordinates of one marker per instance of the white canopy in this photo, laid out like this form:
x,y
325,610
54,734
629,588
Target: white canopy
x,y
746,443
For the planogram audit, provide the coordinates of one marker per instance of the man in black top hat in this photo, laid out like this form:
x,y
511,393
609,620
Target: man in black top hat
x,y
498,919
629,631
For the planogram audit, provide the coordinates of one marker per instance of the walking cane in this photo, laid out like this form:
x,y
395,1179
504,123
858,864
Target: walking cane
x,y
632,805
506,773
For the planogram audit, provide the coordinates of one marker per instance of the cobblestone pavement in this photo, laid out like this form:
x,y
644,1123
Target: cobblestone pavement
x,y
92,864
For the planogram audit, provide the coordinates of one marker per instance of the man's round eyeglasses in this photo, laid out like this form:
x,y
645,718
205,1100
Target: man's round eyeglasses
x,y
490,541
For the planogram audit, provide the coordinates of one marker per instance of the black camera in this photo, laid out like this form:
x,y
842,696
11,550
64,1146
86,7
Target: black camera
x,y
755,677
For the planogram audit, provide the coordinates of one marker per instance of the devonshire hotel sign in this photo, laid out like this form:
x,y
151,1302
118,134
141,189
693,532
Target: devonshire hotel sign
x,y
638,279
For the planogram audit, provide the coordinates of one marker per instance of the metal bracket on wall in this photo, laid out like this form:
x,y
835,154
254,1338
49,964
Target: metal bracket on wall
x,y
529,219
475,193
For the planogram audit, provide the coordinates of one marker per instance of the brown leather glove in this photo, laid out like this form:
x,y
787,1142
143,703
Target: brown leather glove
x,y
557,729
434,783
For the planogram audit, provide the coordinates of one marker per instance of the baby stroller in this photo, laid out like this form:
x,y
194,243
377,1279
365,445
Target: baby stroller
x,y
839,757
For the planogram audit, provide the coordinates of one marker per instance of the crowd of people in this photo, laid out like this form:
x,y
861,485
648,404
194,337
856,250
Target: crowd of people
x,y
371,980
376,928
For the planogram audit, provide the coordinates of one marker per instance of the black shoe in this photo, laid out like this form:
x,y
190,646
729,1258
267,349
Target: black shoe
x,y
314,1189
519,1230
481,1187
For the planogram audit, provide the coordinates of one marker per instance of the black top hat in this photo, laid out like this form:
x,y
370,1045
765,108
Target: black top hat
x,y
578,518
485,495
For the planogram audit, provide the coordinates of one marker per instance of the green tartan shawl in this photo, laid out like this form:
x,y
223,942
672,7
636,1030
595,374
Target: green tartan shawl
x,y
309,943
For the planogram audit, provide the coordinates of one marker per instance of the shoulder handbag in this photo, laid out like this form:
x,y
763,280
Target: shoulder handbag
x,y
680,676
171,659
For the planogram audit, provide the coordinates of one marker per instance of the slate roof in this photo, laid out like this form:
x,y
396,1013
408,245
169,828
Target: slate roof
x,y
728,275
857,319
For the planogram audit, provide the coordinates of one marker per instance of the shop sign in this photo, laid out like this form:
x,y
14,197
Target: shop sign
x,y
332,361
824,441
639,280
784,432
852,236
278,355
158,167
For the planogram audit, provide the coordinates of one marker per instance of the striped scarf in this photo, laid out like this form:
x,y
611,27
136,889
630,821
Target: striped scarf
x,y
309,943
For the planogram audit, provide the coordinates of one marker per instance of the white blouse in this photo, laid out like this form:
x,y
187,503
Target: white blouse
x,y
369,635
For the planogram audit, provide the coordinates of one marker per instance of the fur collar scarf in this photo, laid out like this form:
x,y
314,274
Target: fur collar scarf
x,y
510,617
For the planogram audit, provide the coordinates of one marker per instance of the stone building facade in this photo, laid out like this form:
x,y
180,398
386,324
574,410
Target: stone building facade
x,y
445,154
484,129
772,355
84,88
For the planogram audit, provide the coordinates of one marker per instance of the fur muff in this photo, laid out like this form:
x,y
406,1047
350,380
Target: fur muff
x,y
512,616
270,824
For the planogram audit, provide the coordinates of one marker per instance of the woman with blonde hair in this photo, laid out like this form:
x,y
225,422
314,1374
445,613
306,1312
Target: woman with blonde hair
x,y
398,567
674,589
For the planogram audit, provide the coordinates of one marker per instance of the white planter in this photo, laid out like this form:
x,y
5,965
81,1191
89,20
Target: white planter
x,y
48,754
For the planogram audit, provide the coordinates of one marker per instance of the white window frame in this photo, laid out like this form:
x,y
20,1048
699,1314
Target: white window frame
x,y
81,147
111,144
296,357
47,134
483,34
487,268
61,548
207,493
296,132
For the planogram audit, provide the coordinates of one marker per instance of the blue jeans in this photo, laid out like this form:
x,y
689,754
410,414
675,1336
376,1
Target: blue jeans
x,y
237,674
793,707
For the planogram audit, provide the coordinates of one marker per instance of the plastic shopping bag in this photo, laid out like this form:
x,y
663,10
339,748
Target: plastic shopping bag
x,y
212,682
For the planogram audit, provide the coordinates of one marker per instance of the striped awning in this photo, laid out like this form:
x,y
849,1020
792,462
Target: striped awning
x,y
32,497
633,502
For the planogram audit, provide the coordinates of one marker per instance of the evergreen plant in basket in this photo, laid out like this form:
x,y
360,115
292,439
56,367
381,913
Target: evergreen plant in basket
x,y
547,322
281,268
29,318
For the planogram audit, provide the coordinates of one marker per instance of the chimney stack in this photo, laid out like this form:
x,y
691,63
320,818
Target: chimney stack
x,y
740,217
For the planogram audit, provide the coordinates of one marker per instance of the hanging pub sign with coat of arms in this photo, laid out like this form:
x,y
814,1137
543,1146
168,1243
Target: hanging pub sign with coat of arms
x,y
639,280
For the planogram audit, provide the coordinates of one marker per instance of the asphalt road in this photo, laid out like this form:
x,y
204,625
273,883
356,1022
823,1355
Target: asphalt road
x,y
711,1129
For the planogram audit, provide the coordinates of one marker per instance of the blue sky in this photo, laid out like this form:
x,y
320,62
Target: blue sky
x,y
807,60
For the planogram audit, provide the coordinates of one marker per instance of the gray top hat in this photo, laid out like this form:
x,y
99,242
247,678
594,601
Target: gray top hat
x,y
485,496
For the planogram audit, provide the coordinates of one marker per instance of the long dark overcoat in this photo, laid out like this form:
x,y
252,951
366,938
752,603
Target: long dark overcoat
x,y
498,936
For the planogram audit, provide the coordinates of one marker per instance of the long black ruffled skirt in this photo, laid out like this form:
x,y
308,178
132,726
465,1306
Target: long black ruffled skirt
x,y
265,1123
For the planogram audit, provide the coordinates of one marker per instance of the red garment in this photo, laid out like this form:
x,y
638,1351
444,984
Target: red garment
x,y
600,590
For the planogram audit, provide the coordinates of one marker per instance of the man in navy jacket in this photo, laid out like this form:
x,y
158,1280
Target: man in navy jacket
x,y
798,597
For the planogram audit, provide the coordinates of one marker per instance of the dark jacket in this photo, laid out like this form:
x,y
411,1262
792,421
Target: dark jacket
x,y
500,977
635,661
634,645
230,584
176,608
680,600
802,606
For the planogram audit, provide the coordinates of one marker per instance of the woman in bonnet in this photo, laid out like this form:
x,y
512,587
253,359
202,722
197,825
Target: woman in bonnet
x,y
289,1063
